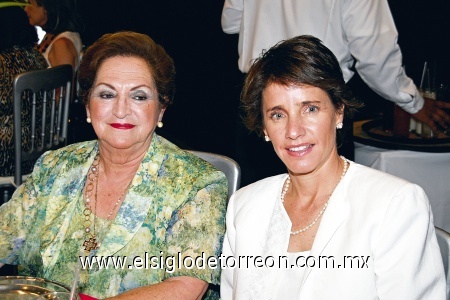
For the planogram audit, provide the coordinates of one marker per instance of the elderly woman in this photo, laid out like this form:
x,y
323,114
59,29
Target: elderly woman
x,y
130,197
329,228
62,24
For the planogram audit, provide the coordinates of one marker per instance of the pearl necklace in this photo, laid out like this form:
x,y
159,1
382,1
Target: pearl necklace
x,y
286,187
91,242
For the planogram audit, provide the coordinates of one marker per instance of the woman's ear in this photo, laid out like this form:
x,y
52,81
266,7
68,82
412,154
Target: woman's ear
x,y
266,136
88,112
161,113
340,113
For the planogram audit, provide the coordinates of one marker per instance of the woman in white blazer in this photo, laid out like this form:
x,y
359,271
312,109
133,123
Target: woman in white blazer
x,y
329,228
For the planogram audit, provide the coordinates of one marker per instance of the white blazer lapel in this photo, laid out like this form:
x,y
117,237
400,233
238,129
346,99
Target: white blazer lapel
x,y
332,219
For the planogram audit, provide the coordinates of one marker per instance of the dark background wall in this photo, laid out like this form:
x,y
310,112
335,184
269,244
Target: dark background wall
x,y
203,116
205,59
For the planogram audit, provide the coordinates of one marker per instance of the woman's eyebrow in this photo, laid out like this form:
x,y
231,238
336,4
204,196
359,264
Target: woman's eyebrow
x,y
277,107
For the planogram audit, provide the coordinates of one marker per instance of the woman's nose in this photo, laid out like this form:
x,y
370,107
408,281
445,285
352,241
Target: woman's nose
x,y
294,128
122,107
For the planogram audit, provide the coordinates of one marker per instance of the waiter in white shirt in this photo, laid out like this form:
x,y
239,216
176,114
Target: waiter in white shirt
x,y
361,33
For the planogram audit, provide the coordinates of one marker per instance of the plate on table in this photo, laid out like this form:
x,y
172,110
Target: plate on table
x,y
374,128
370,132
27,288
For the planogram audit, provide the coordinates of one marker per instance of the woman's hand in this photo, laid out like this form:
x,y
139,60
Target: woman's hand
x,y
181,287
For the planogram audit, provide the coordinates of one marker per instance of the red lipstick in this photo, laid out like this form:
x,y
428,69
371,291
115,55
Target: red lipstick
x,y
122,125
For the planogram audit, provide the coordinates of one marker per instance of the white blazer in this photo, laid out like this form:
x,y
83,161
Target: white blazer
x,y
384,221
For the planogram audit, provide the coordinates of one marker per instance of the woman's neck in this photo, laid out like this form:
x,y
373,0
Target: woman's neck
x,y
120,166
319,183
120,162
46,41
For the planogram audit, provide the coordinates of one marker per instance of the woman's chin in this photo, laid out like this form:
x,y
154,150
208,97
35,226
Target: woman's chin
x,y
122,144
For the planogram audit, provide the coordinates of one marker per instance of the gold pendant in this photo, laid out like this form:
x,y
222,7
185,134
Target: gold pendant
x,y
90,244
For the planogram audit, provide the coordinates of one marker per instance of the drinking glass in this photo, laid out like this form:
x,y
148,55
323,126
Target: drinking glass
x,y
426,130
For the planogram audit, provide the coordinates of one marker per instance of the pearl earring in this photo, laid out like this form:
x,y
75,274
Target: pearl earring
x,y
267,138
88,120
339,125
160,124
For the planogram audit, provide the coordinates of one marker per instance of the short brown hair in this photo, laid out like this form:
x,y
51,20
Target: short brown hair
x,y
302,60
128,44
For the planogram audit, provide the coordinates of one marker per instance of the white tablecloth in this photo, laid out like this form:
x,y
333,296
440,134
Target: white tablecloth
x,y
429,170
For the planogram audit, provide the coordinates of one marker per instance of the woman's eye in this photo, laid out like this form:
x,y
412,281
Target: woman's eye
x,y
140,97
106,95
276,116
312,108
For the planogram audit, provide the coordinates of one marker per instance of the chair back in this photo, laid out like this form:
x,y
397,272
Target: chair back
x,y
46,95
225,164
443,238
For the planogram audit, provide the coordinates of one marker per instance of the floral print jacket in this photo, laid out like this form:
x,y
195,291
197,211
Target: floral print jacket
x,y
173,213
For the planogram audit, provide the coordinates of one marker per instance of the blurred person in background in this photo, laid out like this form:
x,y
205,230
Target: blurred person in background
x,y
17,55
60,20
62,44
361,34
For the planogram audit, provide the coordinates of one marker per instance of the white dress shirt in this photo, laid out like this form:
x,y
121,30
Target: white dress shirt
x,y
360,32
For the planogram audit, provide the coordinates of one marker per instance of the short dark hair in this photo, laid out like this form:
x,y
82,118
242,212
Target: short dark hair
x,y
302,60
128,44
15,30
62,15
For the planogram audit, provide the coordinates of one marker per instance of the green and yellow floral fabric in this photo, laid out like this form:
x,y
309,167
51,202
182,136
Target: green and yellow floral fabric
x,y
175,208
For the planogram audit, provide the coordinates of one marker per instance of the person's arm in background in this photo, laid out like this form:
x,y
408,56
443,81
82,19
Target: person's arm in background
x,y
63,52
232,16
372,38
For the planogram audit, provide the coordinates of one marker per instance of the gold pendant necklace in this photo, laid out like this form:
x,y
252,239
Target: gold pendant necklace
x,y
91,242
